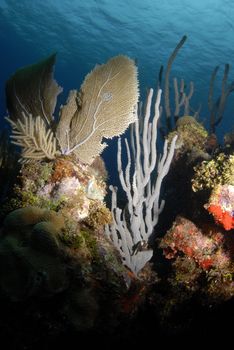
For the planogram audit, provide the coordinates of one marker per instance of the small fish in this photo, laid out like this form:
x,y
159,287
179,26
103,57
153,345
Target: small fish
x,y
139,246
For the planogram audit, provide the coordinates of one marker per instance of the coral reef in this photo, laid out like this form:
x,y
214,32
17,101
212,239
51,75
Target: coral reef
x,y
221,205
198,246
192,138
43,254
201,254
76,263
63,184
217,171
55,237
217,176
54,218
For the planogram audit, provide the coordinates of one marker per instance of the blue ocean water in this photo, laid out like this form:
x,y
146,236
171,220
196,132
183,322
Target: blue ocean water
x,y
87,32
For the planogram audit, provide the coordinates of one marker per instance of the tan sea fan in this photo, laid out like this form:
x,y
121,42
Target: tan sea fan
x,y
103,108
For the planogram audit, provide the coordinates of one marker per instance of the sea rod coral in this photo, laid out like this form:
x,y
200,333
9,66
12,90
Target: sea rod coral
x,y
132,227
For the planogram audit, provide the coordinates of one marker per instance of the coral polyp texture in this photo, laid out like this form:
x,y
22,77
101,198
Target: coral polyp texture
x,y
209,252
217,176
221,205
192,137
64,185
217,171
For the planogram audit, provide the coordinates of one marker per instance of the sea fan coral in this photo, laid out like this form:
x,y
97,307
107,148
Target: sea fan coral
x,y
104,107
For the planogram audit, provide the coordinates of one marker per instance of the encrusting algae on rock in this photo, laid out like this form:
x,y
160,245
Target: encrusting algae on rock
x,y
192,137
217,176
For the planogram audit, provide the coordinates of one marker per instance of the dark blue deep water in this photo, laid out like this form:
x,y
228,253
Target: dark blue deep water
x,y
87,32
84,33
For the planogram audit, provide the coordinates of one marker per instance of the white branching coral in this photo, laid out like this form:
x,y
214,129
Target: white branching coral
x,y
133,226
32,135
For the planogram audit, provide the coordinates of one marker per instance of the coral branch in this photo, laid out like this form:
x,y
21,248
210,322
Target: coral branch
x,y
132,227
32,135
